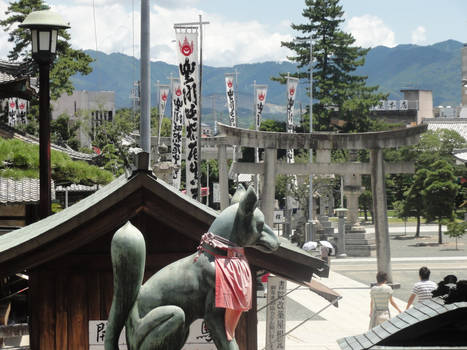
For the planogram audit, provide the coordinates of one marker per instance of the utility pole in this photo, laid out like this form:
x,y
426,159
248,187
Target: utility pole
x,y
145,119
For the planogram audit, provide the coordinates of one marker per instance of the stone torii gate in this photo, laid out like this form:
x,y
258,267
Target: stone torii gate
x,y
323,143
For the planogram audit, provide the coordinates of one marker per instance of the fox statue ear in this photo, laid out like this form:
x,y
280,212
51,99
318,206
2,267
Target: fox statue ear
x,y
248,202
238,194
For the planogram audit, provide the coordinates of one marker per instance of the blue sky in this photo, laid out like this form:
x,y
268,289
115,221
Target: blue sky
x,y
244,31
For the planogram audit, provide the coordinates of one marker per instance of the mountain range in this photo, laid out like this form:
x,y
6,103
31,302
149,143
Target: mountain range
x,y
435,67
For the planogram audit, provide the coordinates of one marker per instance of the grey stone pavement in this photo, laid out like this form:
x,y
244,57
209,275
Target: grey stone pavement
x,y
351,277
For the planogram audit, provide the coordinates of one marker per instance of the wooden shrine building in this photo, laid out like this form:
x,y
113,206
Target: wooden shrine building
x,y
67,256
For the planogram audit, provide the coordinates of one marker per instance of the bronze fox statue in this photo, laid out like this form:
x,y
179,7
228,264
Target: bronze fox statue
x,y
158,313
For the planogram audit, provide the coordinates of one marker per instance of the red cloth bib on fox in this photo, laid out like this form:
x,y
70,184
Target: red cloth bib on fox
x,y
233,279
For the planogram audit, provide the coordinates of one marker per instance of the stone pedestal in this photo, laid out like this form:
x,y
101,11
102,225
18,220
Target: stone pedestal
x,y
358,242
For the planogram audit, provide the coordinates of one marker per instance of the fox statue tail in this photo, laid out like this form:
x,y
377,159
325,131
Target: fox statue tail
x,y
128,251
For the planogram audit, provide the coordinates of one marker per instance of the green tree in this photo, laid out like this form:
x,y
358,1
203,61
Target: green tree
x,y
456,229
68,62
65,131
365,202
336,87
19,159
439,193
108,137
413,204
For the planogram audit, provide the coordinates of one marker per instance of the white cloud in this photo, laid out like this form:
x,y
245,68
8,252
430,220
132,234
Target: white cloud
x,y
419,35
370,31
5,46
225,42
229,43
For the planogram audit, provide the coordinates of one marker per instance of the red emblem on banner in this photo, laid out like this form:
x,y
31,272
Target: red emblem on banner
x,y
21,106
164,97
261,96
291,91
229,84
186,49
178,92
12,104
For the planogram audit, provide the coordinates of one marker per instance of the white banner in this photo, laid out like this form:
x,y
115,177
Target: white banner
x,y
12,120
229,88
189,76
260,93
17,109
177,130
163,98
292,84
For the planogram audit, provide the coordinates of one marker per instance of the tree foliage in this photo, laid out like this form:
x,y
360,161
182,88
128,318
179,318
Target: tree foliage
x,y
20,159
456,229
440,190
68,62
336,87
64,131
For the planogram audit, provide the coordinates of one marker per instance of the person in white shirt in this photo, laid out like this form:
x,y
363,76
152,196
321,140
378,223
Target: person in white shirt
x,y
380,297
422,290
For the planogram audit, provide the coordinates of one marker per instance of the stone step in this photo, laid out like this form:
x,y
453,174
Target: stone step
x,y
359,250
361,235
359,242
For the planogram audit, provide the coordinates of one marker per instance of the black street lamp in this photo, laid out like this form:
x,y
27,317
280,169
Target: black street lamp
x,y
44,26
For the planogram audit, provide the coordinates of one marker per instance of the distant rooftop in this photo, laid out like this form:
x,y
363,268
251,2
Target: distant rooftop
x,y
457,124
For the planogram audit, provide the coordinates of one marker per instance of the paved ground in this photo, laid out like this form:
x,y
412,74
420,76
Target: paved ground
x,y
351,278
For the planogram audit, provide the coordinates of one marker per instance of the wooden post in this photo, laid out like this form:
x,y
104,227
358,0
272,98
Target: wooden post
x,y
223,176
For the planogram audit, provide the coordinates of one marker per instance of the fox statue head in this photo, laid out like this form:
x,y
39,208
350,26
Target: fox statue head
x,y
243,223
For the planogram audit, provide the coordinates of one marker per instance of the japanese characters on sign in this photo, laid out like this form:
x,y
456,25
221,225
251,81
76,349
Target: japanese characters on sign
x,y
199,337
260,102
177,130
276,314
292,84
229,88
97,335
187,44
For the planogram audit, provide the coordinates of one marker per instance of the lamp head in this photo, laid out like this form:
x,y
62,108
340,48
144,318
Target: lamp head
x,y
44,26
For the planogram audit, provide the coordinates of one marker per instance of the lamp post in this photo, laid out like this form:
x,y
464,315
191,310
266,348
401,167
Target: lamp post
x,y
44,26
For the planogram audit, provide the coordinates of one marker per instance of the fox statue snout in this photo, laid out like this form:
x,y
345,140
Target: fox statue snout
x,y
158,313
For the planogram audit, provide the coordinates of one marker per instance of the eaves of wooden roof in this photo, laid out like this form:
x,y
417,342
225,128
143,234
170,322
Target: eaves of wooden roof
x,y
428,324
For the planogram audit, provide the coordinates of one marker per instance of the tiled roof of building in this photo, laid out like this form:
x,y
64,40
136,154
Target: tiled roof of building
x,y
460,154
456,124
20,191
77,188
15,81
416,317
